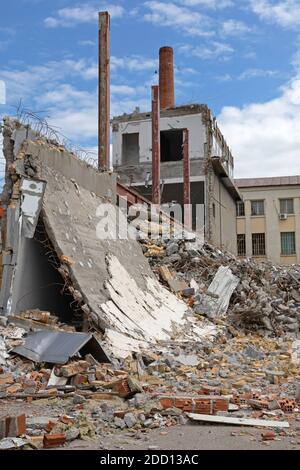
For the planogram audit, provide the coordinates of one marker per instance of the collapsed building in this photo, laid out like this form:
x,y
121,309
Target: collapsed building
x,y
211,164
54,261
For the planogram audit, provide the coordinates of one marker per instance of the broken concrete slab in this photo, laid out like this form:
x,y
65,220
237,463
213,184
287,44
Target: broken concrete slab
x,y
71,212
220,291
238,421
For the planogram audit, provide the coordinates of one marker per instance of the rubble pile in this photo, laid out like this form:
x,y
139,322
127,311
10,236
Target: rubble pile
x,y
266,298
58,385
243,377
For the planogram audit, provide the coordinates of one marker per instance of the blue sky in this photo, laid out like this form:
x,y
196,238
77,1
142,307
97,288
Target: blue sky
x,y
241,57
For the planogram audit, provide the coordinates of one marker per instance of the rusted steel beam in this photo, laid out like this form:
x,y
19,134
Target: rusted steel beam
x,y
104,92
186,180
155,145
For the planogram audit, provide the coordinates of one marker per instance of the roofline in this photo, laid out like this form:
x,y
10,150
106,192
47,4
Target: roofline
x,y
271,181
187,109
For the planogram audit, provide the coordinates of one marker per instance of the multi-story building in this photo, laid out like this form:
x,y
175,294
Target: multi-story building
x,y
210,160
268,219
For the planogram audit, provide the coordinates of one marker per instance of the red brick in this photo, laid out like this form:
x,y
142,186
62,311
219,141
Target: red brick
x,y
66,419
50,425
6,379
208,390
54,440
122,388
74,368
79,379
268,436
202,405
16,426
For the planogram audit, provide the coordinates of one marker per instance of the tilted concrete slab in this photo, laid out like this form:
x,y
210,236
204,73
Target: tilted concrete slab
x,y
111,279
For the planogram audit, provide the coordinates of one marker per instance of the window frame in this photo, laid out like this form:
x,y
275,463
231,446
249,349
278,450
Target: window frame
x,y
243,243
292,242
261,251
286,211
240,207
262,201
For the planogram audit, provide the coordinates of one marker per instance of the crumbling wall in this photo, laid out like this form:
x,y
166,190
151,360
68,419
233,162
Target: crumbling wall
x,y
109,279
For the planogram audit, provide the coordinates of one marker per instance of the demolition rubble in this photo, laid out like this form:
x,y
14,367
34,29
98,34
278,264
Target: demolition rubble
x,y
139,335
248,375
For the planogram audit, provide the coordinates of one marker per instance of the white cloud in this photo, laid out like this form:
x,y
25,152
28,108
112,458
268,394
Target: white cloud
x,y
265,137
258,73
88,13
87,42
286,13
214,4
234,28
122,90
47,88
169,14
2,92
214,50
134,63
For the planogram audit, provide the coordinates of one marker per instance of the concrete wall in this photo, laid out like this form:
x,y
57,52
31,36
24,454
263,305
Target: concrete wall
x,y
169,172
270,224
68,165
192,122
223,217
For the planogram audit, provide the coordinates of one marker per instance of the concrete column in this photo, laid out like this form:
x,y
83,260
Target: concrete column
x,y
104,92
297,223
155,145
248,228
273,241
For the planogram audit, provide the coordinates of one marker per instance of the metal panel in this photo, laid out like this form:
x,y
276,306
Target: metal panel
x,y
58,347
33,193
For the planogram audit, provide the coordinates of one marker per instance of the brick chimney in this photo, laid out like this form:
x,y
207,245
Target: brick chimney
x,y
166,78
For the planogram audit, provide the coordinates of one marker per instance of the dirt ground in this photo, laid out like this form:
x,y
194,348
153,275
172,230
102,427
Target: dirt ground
x,y
186,437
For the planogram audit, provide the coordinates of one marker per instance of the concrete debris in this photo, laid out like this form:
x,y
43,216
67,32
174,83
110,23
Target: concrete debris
x,y
254,296
239,421
12,443
191,331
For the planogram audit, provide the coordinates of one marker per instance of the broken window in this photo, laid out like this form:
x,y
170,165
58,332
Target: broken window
x,y
287,206
241,244
130,149
288,243
171,145
258,244
240,209
257,208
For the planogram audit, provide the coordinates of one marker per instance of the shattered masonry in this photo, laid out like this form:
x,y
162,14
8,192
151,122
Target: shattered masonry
x,y
178,332
108,281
